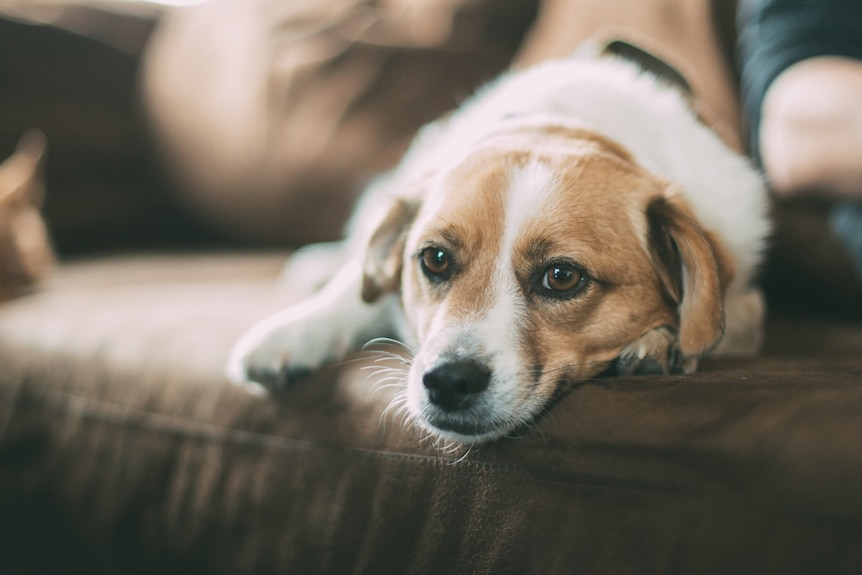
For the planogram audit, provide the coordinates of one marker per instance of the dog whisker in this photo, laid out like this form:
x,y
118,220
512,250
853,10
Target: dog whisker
x,y
378,372
399,377
464,456
403,354
389,341
395,409
359,357
452,448
374,355
396,385
389,382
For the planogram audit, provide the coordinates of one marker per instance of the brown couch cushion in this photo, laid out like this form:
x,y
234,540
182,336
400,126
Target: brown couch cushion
x,y
123,449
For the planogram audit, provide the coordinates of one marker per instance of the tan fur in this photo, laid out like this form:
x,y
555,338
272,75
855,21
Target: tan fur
x,y
383,261
700,292
472,194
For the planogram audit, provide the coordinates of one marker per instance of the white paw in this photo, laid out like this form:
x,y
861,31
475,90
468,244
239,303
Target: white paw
x,y
284,349
309,268
654,352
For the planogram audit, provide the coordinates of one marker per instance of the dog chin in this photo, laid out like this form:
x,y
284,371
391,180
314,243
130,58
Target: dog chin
x,y
462,429
465,427
478,424
465,434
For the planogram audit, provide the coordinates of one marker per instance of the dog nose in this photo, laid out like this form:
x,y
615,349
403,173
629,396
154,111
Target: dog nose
x,y
450,385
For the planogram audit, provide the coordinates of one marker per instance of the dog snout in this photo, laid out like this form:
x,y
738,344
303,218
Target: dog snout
x,y
452,385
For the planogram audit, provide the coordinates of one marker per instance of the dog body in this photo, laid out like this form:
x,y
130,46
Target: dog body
x,y
572,219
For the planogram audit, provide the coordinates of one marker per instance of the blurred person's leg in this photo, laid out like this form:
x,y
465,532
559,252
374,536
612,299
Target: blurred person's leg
x,y
811,141
801,63
273,114
694,37
802,93
811,129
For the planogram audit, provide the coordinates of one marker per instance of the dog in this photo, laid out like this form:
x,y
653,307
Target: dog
x,y
571,220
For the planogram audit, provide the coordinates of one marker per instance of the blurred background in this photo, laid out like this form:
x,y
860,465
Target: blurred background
x,y
71,70
254,122
190,123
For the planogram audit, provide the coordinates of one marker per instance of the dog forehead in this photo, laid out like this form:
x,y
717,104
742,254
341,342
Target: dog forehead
x,y
516,185
596,217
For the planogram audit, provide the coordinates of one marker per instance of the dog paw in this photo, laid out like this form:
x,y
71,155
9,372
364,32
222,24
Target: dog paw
x,y
310,267
655,352
285,348
275,355
260,370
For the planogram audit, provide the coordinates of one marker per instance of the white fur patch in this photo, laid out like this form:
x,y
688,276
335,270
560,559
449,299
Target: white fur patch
x,y
530,189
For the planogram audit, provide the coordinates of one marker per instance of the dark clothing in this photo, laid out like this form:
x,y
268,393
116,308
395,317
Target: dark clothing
x,y
775,34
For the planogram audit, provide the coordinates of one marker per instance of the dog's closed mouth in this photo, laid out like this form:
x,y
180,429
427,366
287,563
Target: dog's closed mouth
x,y
462,426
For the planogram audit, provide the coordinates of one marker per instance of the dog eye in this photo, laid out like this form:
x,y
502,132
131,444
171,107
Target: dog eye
x,y
562,278
436,263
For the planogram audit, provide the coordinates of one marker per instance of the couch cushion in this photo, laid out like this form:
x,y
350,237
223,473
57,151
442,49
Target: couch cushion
x,y
123,449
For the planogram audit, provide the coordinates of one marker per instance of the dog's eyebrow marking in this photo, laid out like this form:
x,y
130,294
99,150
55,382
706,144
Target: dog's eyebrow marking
x,y
530,186
539,250
529,189
450,236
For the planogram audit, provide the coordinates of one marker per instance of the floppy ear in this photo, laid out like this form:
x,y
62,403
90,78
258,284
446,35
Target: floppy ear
x,y
381,271
694,268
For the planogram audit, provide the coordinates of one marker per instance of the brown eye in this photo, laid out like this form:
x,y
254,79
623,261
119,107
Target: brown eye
x,y
436,263
561,278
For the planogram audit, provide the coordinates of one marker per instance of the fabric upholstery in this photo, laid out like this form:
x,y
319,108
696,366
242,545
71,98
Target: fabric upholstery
x,y
123,449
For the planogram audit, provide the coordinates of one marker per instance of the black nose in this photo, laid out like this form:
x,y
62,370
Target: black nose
x,y
451,385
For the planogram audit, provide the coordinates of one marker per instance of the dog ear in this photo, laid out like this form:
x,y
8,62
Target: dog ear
x,y
694,268
381,271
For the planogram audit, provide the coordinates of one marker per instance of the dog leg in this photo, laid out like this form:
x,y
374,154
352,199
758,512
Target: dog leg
x,y
745,312
654,352
289,345
311,267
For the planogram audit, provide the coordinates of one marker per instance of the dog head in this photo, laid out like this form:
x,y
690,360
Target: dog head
x,y
538,260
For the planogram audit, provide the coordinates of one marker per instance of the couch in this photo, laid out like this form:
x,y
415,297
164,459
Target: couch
x,y
123,449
